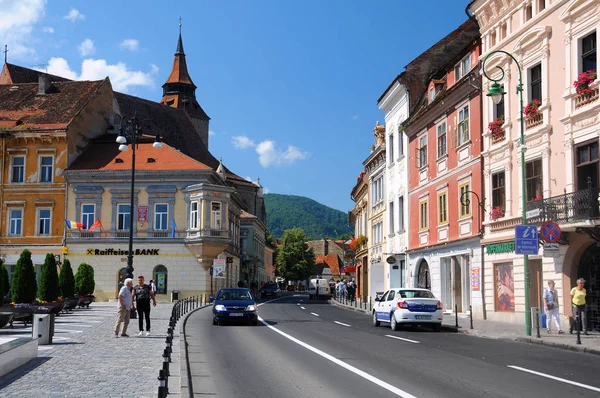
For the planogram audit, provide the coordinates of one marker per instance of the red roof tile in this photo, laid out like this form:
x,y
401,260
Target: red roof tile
x,y
14,74
331,260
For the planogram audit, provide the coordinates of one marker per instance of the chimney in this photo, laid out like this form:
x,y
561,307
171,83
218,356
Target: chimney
x,y
325,246
44,84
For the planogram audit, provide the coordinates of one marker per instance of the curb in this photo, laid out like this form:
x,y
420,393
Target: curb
x,y
186,389
585,350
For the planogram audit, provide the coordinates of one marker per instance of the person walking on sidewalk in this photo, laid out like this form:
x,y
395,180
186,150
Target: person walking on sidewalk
x,y
551,304
123,308
578,294
143,293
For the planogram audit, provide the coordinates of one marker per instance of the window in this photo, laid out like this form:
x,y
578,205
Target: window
x,y
535,83
391,295
377,190
442,208
15,217
431,94
462,68
541,5
46,168
194,215
377,233
588,53
498,190
43,225
533,178
441,140
465,209
123,216
401,213
18,169
161,214
528,12
391,147
493,39
463,125
422,152
391,212
400,142
503,30
499,109
423,221
216,215
88,214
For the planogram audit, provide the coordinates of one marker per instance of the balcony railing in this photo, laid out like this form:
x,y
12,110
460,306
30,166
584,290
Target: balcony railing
x,y
567,208
496,138
536,121
588,98
124,234
204,233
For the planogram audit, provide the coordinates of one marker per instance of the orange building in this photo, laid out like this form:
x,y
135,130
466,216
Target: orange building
x,y
445,173
44,126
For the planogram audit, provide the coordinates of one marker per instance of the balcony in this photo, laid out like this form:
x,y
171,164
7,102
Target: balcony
x,y
568,208
123,235
498,137
585,99
536,121
206,244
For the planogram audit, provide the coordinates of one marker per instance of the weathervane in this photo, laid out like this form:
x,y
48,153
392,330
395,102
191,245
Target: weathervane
x,y
5,52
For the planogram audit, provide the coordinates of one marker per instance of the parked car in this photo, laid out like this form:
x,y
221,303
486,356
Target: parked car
x,y
408,306
318,288
270,289
234,305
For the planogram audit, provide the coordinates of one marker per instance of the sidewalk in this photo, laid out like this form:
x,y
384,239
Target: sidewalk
x,y
504,331
87,360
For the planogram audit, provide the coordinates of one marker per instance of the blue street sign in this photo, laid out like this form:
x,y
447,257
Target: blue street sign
x,y
526,239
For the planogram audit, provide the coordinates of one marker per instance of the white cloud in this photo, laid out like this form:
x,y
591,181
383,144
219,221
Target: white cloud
x,y
86,48
211,133
242,142
74,15
265,190
48,29
355,117
269,155
121,77
129,44
16,24
154,69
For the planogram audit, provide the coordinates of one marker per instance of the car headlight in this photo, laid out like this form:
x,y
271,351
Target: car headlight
x,y
219,307
251,308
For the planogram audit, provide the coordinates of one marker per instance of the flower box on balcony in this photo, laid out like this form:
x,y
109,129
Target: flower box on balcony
x,y
496,130
583,82
496,213
532,110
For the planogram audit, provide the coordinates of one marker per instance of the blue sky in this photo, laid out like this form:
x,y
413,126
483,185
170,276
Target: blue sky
x,y
291,85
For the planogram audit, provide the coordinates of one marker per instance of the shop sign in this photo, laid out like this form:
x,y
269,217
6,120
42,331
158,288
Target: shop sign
x,y
476,279
350,269
219,269
505,247
119,252
142,213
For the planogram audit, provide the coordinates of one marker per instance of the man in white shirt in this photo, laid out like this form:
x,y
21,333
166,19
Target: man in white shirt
x,y
123,308
153,285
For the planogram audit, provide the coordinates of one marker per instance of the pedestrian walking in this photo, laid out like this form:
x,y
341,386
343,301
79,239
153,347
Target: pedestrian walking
x,y
143,294
551,302
153,285
578,294
124,307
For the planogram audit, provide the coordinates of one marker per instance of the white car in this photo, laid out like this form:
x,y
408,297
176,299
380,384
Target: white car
x,y
408,306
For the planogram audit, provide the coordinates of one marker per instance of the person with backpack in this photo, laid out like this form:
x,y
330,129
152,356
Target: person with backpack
x,y
143,293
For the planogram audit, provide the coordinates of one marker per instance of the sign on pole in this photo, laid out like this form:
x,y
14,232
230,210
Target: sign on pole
x,y
219,269
551,250
550,232
526,240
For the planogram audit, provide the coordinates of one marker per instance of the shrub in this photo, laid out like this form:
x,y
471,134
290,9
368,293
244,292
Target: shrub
x,y
84,280
6,283
66,280
49,289
2,292
24,286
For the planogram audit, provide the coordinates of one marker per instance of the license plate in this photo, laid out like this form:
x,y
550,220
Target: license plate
x,y
422,316
236,314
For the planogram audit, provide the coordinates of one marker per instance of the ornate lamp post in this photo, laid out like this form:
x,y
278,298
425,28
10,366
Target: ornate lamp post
x,y
496,93
131,134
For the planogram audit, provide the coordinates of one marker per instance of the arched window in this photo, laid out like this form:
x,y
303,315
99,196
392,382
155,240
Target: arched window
x,y
160,279
121,276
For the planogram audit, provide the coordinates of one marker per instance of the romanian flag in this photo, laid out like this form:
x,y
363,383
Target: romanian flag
x,y
95,225
74,225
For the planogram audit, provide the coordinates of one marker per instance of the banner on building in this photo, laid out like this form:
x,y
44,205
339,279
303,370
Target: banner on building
x,y
219,269
475,279
142,215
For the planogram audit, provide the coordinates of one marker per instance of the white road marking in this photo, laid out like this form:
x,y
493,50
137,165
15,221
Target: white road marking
x,y
401,338
312,313
303,308
81,325
68,331
61,338
45,347
555,378
342,364
258,305
343,324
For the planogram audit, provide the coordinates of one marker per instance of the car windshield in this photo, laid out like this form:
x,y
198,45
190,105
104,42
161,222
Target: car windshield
x,y
234,295
416,294
270,286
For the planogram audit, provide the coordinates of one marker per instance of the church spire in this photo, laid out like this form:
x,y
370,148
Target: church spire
x,y
179,42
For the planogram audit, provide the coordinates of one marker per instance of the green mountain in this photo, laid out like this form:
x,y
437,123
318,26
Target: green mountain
x,y
317,220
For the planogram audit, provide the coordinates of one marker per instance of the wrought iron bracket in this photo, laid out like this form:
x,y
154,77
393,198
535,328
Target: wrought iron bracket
x,y
465,201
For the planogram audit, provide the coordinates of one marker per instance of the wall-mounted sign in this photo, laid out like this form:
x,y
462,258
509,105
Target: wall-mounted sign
x,y
142,213
506,247
475,279
375,260
229,260
219,269
391,260
350,269
119,252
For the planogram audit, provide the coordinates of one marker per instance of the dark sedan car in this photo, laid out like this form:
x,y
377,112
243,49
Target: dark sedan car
x,y
234,305
270,290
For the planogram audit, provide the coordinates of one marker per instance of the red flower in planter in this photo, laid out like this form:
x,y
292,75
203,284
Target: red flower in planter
x,y
496,213
496,129
532,110
582,84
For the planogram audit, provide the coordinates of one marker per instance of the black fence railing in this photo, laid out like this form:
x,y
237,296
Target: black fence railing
x,y
567,208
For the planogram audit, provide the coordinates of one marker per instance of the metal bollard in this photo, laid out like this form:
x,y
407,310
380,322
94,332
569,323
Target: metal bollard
x,y
578,326
456,315
471,315
537,324
370,304
162,393
166,372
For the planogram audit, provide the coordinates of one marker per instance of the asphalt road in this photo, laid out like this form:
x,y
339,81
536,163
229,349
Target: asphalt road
x,y
313,349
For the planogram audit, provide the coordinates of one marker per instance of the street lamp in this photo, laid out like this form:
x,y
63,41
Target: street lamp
x,y
131,134
496,93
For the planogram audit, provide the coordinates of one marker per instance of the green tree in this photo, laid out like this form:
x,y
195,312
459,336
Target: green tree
x,y
24,286
6,283
295,259
2,291
66,280
84,280
49,289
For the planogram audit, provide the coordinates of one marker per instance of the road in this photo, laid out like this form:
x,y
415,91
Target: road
x,y
312,349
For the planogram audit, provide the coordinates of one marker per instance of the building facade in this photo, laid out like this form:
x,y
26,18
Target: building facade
x,y
554,42
359,216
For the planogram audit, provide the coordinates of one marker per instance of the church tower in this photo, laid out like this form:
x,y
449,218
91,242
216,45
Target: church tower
x,y
179,91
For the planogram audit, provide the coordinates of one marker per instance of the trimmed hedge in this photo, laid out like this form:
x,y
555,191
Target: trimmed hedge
x,y
49,289
24,286
66,280
84,280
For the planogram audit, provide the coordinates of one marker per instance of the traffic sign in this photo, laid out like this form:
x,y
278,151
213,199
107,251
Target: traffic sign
x,y
551,250
526,239
550,232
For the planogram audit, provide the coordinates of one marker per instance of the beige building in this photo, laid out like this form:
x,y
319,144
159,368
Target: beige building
x,y
553,41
